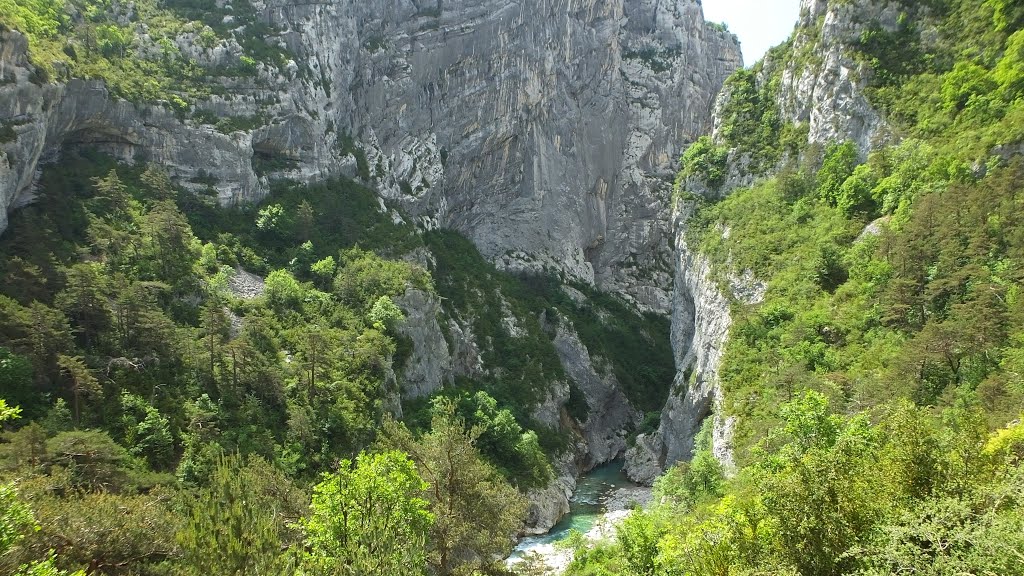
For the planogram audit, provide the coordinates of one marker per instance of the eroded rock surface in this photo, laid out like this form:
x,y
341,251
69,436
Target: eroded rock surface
x,y
546,131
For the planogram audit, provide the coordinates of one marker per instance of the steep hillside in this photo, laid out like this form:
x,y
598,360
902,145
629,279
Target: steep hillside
x,y
363,288
851,256
262,143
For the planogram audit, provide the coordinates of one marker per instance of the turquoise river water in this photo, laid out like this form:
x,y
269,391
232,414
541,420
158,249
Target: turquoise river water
x,y
586,507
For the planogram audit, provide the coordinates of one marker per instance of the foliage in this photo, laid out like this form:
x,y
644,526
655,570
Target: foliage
x,y
475,289
837,494
706,161
873,384
99,532
476,512
239,522
368,518
129,342
385,313
837,167
750,121
136,52
504,442
15,519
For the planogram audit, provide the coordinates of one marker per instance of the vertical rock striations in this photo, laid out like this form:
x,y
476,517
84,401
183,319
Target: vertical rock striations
x,y
545,130
700,327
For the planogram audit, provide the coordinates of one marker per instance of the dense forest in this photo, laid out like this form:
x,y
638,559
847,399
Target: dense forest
x,y
160,405
187,388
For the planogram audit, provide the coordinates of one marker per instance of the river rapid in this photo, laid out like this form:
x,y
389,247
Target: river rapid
x,y
603,497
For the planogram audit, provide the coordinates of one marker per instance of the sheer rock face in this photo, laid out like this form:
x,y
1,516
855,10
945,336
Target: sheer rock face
x,y
700,328
545,130
429,365
609,412
46,117
829,93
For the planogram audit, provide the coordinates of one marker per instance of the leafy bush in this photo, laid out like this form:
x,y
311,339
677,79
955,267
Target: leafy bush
x,y
705,161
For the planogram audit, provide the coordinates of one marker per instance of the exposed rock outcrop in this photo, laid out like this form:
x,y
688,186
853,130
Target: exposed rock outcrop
x,y
822,83
434,360
609,413
545,130
429,365
700,327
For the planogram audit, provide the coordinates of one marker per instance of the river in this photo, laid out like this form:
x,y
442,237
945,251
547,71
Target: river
x,y
603,496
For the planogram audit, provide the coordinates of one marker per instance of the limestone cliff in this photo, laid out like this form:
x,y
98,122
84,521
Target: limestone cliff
x,y
545,130
700,328
822,83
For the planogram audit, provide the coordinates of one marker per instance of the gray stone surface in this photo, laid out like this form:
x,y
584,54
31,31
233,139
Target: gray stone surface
x,y
246,285
545,130
547,505
700,327
826,90
823,86
429,366
609,412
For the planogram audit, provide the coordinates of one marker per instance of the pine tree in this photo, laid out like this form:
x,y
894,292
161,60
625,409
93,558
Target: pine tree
x,y
476,511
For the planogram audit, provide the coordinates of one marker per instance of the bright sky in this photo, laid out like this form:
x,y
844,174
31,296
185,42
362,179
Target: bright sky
x,y
760,24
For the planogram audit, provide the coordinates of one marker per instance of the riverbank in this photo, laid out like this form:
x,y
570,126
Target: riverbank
x,y
603,498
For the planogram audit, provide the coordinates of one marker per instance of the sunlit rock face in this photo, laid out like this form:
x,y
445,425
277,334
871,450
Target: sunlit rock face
x,y
545,130
827,94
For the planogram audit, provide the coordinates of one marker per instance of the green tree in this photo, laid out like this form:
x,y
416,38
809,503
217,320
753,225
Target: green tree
x,y
238,524
323,271
965,82
823,487
15,517
515,451
102,532
85,301
639,537
305,221
81,381
838,165
158,181
216,330
476,512
147,433
15,521
16,381
140,325
282,290
172,249
269,217
706,161
91,459
112,189
369,518
1008,13
855,193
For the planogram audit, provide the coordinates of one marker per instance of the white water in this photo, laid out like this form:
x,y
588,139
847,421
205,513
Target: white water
x,y
602,499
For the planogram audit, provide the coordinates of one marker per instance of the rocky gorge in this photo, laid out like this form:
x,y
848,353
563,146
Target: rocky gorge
x,y
545,131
